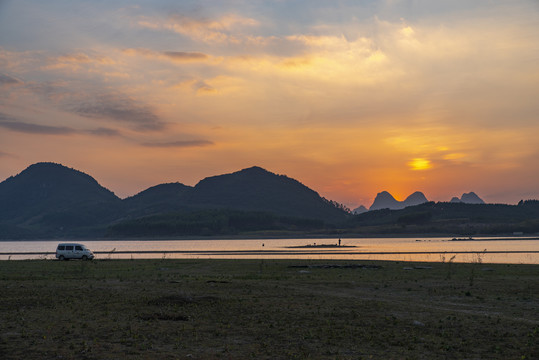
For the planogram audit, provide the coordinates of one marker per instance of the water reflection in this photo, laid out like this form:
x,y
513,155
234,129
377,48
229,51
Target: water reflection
x,y
486,250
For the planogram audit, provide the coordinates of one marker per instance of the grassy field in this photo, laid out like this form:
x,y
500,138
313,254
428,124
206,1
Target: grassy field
x,y
267,309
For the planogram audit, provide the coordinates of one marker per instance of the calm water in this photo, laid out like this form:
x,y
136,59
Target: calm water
x,y
404,249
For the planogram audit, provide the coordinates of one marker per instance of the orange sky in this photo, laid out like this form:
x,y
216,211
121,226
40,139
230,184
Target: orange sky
x,y
350,98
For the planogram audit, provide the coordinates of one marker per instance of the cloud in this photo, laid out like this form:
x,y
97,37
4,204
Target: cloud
x,y
223,29
77,61
185,56
178,144
80,57
29,128
118,108
203,87
15,125
176,56
8,80
113,106
106,132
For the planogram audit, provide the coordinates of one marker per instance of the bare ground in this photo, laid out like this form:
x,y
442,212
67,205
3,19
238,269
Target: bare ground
x,y
267,309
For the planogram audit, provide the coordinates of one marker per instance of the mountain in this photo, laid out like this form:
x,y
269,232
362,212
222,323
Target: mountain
x,y
359,210
415,199
385,200
471,198
467,198
251,189
257,189
49,186
53,198
158,199
451,218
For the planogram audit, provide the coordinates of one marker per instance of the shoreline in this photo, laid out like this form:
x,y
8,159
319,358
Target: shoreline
x,y
425,237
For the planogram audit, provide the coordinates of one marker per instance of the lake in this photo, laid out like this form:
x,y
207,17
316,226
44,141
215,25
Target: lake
x,y
486,250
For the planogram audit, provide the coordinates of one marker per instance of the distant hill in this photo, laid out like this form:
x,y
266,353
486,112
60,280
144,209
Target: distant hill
x,y
359,210
385,200
415,199
257,189
468,198
471,198
49,200
158,199
251,189
451,218
44,186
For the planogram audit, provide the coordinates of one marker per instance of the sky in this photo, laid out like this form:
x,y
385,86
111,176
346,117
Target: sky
x,y
350,98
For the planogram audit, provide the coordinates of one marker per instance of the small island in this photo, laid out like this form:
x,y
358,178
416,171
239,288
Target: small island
x,y
320,246
463,239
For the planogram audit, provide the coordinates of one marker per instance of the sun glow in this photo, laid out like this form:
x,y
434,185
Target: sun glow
x,y
420,164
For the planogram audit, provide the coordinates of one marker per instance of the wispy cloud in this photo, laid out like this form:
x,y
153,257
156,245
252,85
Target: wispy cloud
x,y
118,108
29,128
185,56
106,132
222,29
13,124
78,61
175,56
81,57
113,106
178,144
8,80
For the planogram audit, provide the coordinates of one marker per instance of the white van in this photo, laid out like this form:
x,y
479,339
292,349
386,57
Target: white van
x,y
68,251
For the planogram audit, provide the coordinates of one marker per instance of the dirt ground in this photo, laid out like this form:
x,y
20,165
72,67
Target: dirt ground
x,y
267,309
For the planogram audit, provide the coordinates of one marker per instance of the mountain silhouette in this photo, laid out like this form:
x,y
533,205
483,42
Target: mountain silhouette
x,y
452,218
385,200
359,210
415,199
467,198
158,199
43,187
251,189
49,199
471,198
54,199
257,189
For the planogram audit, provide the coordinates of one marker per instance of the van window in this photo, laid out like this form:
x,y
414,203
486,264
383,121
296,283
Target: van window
x,y
78,248
61,247
69,247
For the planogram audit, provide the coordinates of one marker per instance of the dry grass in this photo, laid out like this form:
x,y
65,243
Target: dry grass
x,y
267,309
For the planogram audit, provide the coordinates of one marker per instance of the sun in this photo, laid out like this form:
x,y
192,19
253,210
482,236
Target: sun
x,y
420,164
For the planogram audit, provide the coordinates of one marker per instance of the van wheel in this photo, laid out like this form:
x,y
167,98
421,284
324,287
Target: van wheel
x,y
61,258
84,257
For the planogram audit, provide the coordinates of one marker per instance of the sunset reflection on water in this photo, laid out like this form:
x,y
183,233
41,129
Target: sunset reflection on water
x,y
485,250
